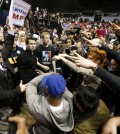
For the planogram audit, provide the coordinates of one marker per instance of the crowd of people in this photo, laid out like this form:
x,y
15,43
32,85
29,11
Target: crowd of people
x,y
60,81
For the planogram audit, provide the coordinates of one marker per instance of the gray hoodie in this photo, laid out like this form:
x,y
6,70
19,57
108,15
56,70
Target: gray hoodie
x,y
49,121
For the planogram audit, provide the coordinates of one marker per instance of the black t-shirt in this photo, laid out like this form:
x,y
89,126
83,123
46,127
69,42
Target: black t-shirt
x,y
44,55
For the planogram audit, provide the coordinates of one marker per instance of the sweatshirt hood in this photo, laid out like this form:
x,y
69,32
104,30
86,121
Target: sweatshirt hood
x,y
62,119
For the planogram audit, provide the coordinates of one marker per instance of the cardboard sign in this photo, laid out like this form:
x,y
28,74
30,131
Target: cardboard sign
x,y
1,1
18,11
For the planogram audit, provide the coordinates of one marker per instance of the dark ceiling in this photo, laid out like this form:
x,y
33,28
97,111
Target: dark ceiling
x,y
76,5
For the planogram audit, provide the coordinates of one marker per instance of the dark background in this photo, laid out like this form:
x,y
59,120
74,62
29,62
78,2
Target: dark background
x,y
73,5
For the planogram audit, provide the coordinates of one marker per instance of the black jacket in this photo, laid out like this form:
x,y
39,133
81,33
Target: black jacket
x,y
112,80
27,64
111,53
8,91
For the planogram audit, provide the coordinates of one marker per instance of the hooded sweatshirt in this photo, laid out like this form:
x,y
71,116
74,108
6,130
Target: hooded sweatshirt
x,y
49,121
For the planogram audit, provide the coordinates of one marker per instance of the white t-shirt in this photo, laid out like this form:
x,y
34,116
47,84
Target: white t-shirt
x,y
57,108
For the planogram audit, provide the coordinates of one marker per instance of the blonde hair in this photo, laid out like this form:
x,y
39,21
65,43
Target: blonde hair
x,y
45,33
21,33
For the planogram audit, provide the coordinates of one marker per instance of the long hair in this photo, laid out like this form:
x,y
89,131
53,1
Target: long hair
x,y
21,33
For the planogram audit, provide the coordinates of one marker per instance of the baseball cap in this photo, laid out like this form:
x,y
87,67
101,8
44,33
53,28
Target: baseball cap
x,y
55,84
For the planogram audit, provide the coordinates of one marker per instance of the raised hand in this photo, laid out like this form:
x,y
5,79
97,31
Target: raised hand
x,y
110,127
102,38
39,72
116,27
92,43
82,62
85,34
22,86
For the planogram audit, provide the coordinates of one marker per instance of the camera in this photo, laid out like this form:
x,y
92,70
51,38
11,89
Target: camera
x,y
75,30
5,126
71,48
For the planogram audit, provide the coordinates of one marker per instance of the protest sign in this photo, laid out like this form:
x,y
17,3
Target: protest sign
x,y
18,12
66,26
1,1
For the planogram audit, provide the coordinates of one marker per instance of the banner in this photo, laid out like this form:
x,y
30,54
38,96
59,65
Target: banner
x,y
66,26
1,1
18,11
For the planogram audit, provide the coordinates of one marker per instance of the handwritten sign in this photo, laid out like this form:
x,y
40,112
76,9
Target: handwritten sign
x,y
1,1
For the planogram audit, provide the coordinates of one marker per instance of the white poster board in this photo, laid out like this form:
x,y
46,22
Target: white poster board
x,y
1,1
18,11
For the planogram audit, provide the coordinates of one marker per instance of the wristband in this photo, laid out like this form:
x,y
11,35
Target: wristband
x,y
94,68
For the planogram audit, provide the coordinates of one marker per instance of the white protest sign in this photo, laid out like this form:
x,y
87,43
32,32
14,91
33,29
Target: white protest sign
x,y
1,1
18,12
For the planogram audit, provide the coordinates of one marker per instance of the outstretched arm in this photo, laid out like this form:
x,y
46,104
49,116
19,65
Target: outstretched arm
x,y
9,41
110,127
111,53
11,93
46,68
72,65
111,79
7,47
31,91
21,124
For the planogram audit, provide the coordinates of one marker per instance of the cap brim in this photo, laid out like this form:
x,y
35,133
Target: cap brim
x,y
43,82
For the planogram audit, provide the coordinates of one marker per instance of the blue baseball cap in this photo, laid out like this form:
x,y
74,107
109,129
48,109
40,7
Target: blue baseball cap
x,y
55,84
